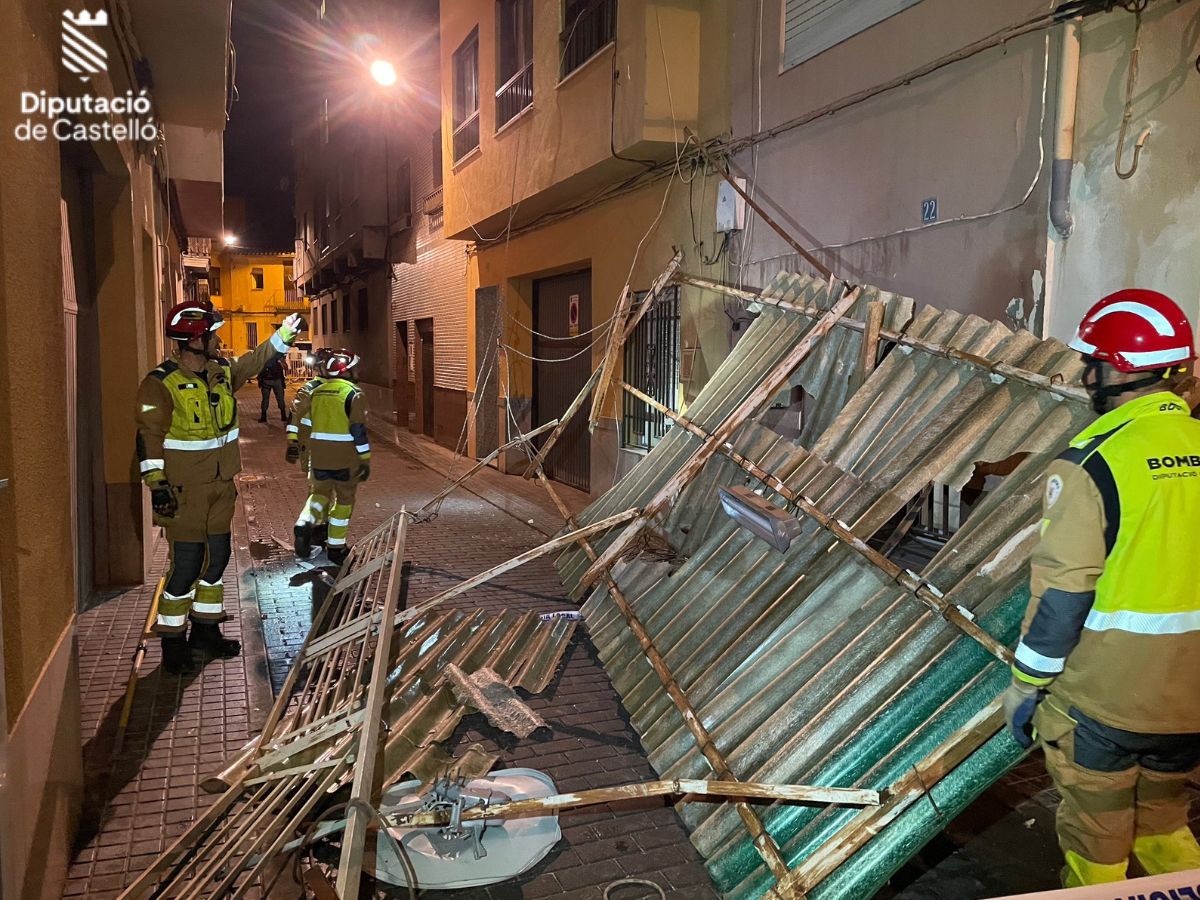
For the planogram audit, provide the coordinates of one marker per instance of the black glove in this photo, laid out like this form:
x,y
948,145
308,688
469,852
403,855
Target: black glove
x,y
293,452
364,472
162,498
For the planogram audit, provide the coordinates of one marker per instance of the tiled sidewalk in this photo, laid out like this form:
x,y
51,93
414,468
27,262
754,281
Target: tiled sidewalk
x,y
182,729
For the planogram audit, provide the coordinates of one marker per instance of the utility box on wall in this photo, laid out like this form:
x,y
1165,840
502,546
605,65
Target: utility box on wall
x,y
731,208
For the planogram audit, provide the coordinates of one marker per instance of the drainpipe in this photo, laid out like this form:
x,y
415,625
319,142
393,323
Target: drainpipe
x,y
1064,137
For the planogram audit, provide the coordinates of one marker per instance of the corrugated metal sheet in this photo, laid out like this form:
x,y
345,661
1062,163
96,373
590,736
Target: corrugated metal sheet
x,y
811,666
825,375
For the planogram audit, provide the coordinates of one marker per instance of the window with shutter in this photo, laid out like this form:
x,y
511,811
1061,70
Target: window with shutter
x,y
811,27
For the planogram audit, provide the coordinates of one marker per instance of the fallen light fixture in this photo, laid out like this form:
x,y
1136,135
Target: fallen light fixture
x,y
760,517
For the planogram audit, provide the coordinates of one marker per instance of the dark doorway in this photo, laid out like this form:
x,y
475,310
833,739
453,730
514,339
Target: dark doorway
x,y
424,372
562,315
401,386
487,373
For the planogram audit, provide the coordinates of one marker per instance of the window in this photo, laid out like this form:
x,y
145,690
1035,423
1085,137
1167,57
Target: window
x,y
466,96
588,25
813,26
652,366
214,281
437,159
256,279
324,319
346,314
401,190
362,310
251,335
514,58
333,314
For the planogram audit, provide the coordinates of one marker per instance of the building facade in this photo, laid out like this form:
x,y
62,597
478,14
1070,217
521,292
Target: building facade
x,y
254,291
96,206
919,145
563,129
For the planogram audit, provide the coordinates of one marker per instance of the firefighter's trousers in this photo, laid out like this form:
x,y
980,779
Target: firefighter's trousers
x,y
200,546
331,498
1122,792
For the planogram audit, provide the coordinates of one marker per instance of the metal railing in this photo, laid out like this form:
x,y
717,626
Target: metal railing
x,y
514,96
466,136
592,27
652,366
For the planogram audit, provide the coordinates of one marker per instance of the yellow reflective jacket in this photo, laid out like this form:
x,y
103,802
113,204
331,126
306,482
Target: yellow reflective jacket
x,y
1114,624
337,437
187,422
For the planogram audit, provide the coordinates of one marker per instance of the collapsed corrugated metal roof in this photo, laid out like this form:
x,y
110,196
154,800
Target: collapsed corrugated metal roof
x,y
815,665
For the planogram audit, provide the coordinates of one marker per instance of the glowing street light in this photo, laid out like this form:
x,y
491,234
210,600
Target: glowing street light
x,y
230,239
383,72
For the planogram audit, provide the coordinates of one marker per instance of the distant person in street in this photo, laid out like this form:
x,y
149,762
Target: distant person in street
x,y
187,444
273,380
1107,673
331,424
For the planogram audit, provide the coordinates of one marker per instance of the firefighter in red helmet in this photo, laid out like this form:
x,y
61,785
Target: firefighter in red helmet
x,y
187,444
1105,673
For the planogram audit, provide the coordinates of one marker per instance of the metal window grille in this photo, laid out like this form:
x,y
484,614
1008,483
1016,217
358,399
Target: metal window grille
x,y
588,26
514,57
652,366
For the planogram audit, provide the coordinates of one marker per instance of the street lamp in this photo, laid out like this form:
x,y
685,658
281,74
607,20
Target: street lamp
x,y
383,72
230,239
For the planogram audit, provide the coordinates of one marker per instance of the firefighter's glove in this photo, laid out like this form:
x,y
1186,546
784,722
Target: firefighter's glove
x,y
291,328
293,452
1020,703
162,498
364,471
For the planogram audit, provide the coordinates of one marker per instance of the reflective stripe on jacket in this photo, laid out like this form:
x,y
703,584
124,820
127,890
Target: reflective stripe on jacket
x,y
1114,625
338,435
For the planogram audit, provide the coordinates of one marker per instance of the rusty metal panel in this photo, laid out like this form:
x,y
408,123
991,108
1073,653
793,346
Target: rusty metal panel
x,y
811,666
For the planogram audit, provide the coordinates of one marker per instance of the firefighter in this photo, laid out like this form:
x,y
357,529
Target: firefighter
x,y
1106,673
339,453
299,426
187,445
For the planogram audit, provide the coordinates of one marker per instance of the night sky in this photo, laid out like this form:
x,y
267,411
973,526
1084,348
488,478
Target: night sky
x,y
258,154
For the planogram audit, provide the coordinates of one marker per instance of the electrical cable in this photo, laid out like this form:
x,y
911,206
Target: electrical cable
x,y
634,882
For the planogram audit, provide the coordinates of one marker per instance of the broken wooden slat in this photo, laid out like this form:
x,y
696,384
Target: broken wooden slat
x,y
485,691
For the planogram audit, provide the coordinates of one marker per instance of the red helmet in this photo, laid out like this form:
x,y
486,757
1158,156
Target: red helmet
x,y
191,319
1135,330
341,364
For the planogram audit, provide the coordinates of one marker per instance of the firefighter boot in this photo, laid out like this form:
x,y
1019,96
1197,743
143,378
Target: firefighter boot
x,y
176,654
303,533
207,637
338,554
320,534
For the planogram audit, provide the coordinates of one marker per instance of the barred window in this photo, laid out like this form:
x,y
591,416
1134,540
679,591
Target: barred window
x,y
652,366
588,27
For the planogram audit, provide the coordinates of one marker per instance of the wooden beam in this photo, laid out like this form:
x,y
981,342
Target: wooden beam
x,y
910,581
563,422
758,396
449,489
365,788
912,786
869,351
515,809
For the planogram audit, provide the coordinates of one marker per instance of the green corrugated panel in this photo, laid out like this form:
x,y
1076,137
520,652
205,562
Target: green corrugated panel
x,y
906,731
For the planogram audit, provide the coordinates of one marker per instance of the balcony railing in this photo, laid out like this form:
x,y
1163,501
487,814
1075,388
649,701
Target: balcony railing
x,y
592,27
514,96
466,137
